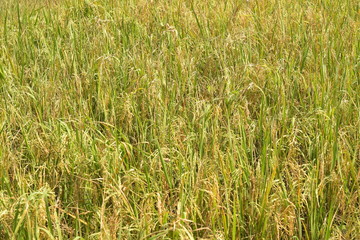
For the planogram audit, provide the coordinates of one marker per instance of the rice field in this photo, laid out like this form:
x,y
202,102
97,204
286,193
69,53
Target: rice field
x,y
179,119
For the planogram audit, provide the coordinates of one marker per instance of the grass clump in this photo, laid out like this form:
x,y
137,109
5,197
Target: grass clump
x,y
179,119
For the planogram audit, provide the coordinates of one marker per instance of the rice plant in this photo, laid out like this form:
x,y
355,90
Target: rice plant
x,y
179,119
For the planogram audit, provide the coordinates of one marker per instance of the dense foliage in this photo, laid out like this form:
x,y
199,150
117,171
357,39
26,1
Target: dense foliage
x,y
180,119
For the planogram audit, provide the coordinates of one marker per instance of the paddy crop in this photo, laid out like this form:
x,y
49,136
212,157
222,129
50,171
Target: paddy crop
x,y
172,119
